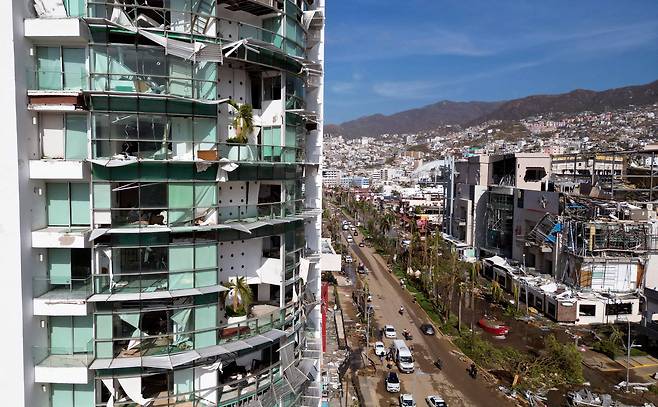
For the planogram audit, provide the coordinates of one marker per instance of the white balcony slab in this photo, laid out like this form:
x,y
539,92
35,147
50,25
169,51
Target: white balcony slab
x,y
68,369
61,237
56,30
60,170
63,301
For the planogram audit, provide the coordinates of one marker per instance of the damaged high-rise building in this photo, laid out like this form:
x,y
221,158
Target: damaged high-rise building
x,y
162,202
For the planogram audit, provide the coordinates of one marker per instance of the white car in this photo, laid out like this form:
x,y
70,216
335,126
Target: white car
x,y
380,349
436,401
407,400
348,259
389,332
392,382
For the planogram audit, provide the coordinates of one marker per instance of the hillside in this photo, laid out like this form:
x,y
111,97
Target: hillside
x,y
415,120
470,113
575,101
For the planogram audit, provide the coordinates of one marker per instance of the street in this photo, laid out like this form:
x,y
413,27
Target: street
x,y
452,382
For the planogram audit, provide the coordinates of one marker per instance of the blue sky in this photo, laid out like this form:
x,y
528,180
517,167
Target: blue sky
x,y
384,56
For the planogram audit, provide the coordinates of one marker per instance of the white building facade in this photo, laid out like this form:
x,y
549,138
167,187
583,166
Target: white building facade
x,y
163,202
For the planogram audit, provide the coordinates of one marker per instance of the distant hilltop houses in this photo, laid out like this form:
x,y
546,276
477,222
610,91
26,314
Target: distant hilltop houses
x,y
391,158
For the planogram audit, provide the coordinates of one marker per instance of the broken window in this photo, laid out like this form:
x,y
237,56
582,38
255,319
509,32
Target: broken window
x,y
153,137
269,193
272,247
125,68
534,174
586,310
272,88
619,309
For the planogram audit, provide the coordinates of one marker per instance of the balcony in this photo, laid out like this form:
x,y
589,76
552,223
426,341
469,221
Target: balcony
x,y
61,237
52,169
53,296
127,150
231,30
227,389
59,365
138,286
215,216
170,350
50,81
255,7
69,31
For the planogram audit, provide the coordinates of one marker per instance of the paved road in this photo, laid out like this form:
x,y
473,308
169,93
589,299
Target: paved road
x,y
453,382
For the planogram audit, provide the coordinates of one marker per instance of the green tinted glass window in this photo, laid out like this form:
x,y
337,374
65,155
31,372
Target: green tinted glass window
x,y
57,204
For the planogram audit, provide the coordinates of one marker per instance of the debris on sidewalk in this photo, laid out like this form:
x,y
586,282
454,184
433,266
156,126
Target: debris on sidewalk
x,y
585,398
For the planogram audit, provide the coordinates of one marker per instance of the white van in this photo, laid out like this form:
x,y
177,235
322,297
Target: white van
x,y
402,356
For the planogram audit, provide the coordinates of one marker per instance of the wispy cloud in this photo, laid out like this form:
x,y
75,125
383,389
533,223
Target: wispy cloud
x,y
426,89
342,87
373,42
346,87
369,42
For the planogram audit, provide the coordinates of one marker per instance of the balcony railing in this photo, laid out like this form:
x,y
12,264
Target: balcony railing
x,y
199,23
57,288
207,216
49,80
131,283
228,392
159,345
182,86
183,150
52,356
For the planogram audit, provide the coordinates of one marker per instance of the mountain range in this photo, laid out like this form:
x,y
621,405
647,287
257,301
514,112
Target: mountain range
x,y
446,112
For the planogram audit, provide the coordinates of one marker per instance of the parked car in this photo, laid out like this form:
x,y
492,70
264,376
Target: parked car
x,y
350,239
389,332
407,400
380,349
348,259
436,401
392,382
427,329
361,244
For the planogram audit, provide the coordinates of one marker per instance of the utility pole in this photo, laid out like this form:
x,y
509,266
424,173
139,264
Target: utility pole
x,y
628,356
368,328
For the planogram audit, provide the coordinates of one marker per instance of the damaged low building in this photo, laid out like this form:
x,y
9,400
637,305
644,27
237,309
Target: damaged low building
x,y
581,229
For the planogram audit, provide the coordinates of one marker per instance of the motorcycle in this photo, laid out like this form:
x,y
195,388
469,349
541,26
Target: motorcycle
x,y
407,335
438,364
473,371
401,311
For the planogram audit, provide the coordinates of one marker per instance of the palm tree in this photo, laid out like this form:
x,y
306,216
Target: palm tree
x,y
243,121
241,293
496,291
460,288
474,273
516,292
